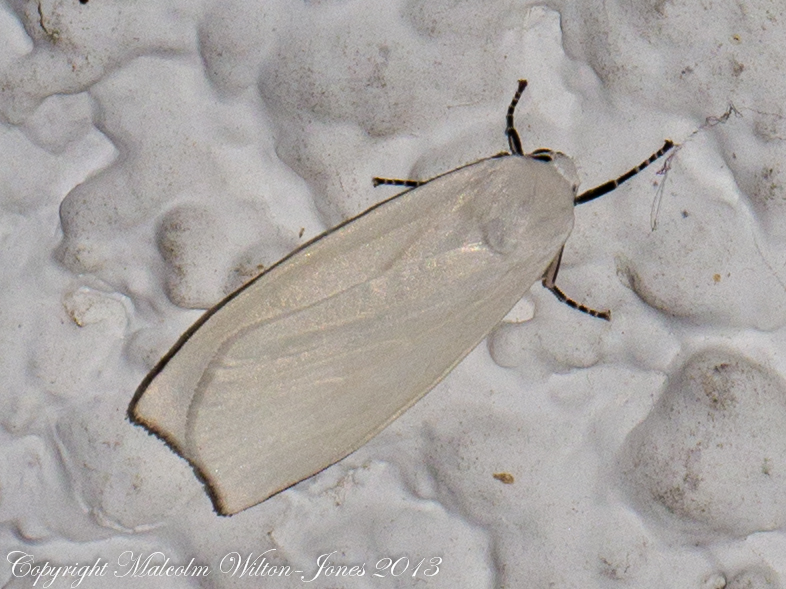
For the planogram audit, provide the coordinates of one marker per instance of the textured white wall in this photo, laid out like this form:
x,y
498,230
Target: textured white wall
x,y
156,155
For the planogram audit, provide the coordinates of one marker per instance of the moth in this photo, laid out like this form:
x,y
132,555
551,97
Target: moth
x,y
315,356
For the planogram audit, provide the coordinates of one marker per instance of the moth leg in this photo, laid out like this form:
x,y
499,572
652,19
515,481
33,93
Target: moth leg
x,y
395,182
607,187
549,279
514,141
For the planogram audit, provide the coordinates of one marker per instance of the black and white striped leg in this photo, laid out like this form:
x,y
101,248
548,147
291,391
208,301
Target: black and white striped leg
x,y
549,281
510,130
607,187
396,182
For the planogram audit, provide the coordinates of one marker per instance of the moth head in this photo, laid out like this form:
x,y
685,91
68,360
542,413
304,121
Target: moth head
x,y
563,163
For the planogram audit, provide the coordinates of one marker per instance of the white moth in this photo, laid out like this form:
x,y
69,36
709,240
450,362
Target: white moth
x,y
318,354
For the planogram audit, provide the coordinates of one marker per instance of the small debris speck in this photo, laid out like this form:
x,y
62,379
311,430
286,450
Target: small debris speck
x,y
504,477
